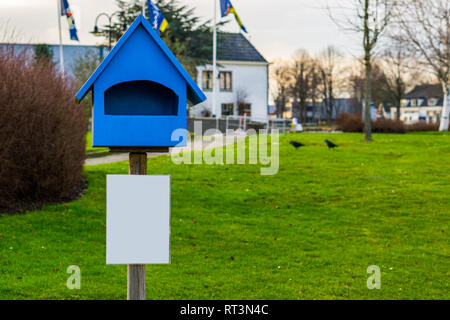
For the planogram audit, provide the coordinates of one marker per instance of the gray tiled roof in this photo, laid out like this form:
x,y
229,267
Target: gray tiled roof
x,y
426,91
236,47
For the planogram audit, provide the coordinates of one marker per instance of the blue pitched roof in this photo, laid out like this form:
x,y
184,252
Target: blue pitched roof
x,y
194,94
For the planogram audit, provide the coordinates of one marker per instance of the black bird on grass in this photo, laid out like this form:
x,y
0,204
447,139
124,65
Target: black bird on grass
x,y
330,144
297,144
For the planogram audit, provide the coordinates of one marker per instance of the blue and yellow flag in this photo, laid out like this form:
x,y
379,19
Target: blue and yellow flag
x,y
156,18
226,8
65,11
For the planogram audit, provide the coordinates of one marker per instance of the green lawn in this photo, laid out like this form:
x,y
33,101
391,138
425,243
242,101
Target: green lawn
x,y
89,147
90,150
309,232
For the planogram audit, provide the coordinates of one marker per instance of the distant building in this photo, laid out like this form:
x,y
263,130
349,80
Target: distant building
x,y
317,112
243,81
423,103
70,52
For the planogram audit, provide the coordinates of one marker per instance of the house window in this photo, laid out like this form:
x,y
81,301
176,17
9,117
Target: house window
x,y
227,109
207,82
225,81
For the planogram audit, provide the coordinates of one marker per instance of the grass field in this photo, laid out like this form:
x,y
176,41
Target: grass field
x,y
309,232
90,150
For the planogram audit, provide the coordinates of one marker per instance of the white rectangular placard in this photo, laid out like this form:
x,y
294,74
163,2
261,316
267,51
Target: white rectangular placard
x,y
137,219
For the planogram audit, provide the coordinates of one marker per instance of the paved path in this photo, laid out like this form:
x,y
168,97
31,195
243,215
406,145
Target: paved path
x,y
118,157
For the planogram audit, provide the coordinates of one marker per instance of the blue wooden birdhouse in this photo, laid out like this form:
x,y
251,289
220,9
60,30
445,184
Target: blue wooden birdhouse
x,y
140,92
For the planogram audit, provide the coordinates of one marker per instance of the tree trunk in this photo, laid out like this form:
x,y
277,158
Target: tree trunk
x,y
330,99
313,114
329,111
398,110
445,108
367,113
325,98
368,43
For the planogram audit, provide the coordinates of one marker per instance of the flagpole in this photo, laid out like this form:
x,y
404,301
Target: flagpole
x,y
61,56
214,110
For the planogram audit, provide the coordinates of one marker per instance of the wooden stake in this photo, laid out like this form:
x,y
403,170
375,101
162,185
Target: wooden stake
x,y
136,282
138,163
136,272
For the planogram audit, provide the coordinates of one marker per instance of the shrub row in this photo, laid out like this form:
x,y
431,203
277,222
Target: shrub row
x,y
348,122
422,126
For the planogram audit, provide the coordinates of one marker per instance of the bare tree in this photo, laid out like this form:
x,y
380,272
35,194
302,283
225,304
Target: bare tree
x,y
241,100
300,87
397,71
282,77
9,34
370,19
328,63
425,26
315,82
356,90
378,84
82,68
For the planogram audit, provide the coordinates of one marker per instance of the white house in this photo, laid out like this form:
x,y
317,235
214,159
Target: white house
x,y
243,82
423,103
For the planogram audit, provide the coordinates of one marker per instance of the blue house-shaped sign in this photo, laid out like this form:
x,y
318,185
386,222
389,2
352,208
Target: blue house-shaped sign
x,y
140,92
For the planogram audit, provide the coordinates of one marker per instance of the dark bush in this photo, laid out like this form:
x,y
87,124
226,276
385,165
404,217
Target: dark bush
x,y
349,122
422,126
42,132
383,125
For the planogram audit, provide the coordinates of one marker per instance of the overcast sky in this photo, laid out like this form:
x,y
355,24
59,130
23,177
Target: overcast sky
x,y
277,28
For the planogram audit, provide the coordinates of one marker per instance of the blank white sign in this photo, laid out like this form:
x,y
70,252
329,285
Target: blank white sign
x,y
137,219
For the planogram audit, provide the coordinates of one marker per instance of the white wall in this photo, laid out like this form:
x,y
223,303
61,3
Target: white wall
x,y
413,114
251,78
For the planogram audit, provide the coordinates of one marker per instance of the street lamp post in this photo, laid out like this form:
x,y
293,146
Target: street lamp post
x,y
96,31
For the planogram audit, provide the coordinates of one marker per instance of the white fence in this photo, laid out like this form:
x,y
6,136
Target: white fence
x,y
240,123
237,123
281,124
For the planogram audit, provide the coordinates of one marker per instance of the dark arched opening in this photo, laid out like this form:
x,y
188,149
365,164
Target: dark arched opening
x,y
140,97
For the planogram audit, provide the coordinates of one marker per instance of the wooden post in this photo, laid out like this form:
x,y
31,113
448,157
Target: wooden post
x,y
138,163
136,272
